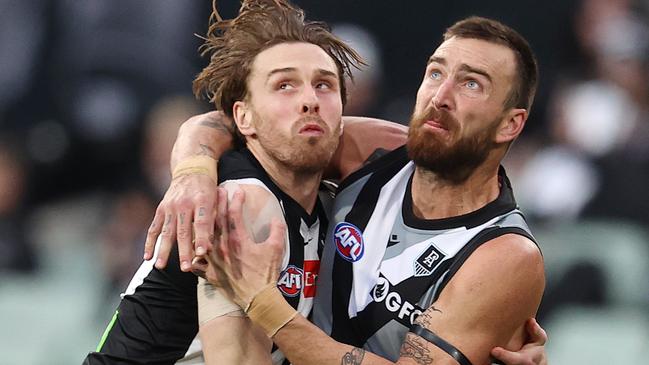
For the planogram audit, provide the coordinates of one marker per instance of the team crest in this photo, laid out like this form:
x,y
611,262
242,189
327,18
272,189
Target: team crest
x,y
290,281
349,241
428,261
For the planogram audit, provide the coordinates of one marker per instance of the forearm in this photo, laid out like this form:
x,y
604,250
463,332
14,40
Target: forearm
x,y
234,340
209,134
304,343
361,137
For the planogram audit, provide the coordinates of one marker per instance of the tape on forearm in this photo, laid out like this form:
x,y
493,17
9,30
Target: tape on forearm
x,y
202,165
270,311
212,303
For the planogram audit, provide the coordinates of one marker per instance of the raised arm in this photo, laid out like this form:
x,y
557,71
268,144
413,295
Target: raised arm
x,y
189,206
361,137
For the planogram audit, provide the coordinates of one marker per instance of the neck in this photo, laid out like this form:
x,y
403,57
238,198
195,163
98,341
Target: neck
x,y
435,198
301,186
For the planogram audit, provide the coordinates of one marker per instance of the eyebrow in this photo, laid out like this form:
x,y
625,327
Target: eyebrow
x,y
320,71
280,70
464,67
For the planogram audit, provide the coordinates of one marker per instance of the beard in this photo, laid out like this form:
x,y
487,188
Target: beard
x,y
451,161
303,155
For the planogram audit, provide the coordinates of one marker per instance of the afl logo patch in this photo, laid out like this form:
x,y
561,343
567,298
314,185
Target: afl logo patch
x,y
290,281
349,241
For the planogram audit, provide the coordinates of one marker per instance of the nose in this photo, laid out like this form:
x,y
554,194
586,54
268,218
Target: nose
x,y
443,97
310,103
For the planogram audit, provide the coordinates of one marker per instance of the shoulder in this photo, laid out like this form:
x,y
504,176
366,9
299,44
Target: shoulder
x,y
257,197
507,262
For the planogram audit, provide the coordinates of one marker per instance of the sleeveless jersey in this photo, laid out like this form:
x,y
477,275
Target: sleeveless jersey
x,y
382,266
157,318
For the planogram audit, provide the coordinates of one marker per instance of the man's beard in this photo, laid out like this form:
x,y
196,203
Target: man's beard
x,y
303,155
453,163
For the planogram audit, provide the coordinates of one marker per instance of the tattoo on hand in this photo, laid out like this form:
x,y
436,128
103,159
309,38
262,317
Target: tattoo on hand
x,y
182,218
415,348
201,211
353,357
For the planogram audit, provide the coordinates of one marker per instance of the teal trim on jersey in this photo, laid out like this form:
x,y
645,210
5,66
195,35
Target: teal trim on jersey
x,y
107,331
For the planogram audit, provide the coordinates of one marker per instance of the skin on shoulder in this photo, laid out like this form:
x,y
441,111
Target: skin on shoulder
x,y
259,208
235,339
487,302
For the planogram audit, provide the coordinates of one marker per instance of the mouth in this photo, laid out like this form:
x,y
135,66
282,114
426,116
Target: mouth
x,y
436,124
311,129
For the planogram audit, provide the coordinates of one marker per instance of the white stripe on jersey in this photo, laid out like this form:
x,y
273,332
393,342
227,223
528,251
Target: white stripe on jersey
x,y
366,271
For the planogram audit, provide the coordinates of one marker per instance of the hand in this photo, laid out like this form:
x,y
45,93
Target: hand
x,y
532,353
187,209
244,267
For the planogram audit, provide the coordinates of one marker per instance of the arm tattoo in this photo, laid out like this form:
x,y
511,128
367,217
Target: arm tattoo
x,y
425,318
353,357
207,151
415,348
218,125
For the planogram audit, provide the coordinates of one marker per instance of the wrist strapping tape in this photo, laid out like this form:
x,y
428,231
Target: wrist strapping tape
x,y
202,165
270,311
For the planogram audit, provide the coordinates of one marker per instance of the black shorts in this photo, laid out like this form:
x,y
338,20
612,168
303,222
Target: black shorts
x,y
156,323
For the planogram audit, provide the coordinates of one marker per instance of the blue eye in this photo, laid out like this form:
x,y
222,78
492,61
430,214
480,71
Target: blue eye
x,y
435,75
473,85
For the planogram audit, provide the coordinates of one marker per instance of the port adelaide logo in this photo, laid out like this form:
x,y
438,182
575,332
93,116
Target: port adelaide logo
x,y
349,241
428,261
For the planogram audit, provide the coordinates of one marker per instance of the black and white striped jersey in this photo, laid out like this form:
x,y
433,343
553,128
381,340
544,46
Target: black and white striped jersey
x,y
382,266
157,319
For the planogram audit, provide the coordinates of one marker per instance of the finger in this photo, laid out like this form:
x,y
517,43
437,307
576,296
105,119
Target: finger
x,y
536,333
167,237
236,227
199,266
277,241
185,246
221,223
508,357
238,234
204,216
152,234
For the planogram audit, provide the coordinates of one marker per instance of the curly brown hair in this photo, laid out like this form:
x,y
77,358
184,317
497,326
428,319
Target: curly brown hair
x,y
233,45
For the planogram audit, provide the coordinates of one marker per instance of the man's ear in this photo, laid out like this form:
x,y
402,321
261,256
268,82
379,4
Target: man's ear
x,y
243,118
511,125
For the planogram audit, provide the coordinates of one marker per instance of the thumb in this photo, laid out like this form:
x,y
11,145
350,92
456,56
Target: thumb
x,y
277,235
536,333
508,357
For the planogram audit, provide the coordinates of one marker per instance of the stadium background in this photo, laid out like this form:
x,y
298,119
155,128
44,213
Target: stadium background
x,y
92,93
